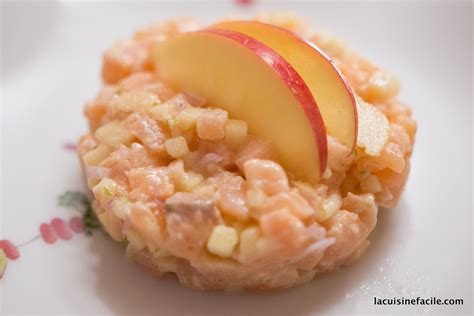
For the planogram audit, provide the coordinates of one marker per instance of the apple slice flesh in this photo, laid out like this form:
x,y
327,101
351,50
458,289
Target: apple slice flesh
x,y
374,128
254,84
333,95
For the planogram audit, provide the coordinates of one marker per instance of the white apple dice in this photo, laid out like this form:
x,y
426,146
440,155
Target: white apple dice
x,y
222,241
333,95
254,84
113,133
95,156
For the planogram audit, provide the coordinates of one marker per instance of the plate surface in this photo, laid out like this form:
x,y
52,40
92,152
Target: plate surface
x,y
51,54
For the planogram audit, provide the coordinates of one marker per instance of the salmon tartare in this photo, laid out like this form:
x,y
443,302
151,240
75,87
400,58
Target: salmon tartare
x,y
243,155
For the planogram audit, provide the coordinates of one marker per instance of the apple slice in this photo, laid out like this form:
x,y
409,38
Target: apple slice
x,y
374,128
253,83
328,86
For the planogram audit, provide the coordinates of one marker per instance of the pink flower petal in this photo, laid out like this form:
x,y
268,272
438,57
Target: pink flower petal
x,y
70,146
10,250
244,2
48,233
61,228
76,224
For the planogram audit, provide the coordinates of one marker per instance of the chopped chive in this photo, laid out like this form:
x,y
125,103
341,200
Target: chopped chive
x,y
107,191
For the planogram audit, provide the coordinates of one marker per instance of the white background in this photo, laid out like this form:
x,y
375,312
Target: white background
x,y
51,55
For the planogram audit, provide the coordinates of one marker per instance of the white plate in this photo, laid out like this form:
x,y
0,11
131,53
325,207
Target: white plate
x,y
50,67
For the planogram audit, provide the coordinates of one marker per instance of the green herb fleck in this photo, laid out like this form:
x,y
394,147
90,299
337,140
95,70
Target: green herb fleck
x,y
156,103
74,199
81,203
125,199
107,192
91,222
173,121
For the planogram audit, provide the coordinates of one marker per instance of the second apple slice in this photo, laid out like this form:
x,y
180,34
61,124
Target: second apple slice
x,y
253,83
333,95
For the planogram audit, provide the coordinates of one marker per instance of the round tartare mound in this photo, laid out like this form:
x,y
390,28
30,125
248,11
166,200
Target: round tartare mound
x,y
192,192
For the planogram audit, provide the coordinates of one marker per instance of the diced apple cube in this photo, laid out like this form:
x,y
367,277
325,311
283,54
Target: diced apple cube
x,y
113,133
176,147
204,189
222,241
112,224
165,261
183,181
235,132
327,174
106,189
248,242
189,181
135,240
177,131
121,208
330,206
370,184
256,197
187,118
135,101
95,156
162,112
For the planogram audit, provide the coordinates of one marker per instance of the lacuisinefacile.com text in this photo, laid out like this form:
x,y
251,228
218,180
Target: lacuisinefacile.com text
x,y
418,301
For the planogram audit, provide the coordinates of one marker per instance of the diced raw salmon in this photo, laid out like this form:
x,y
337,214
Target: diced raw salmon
x,y
266,175
211,124
190,219
230,196
123,58
148,131
254,149
149,183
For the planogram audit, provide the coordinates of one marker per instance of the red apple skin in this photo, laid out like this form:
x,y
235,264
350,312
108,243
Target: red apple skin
x,y
312,46
293,80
